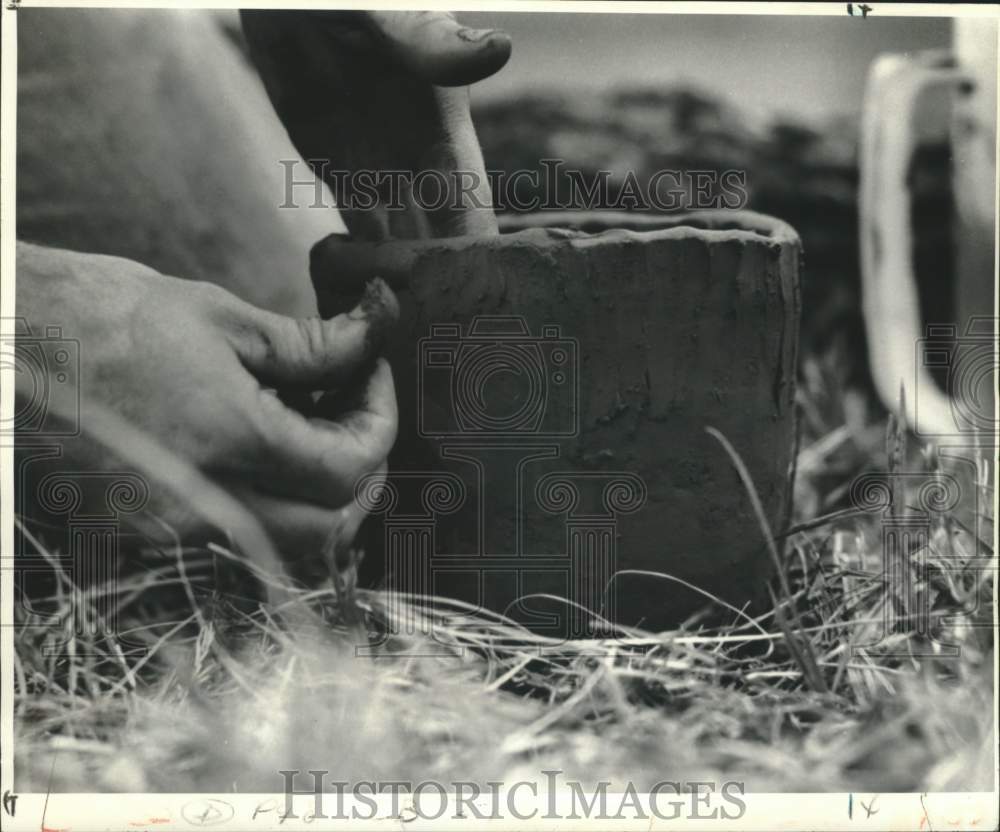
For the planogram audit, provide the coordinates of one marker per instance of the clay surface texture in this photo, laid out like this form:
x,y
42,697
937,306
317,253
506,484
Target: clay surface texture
x,y
576,361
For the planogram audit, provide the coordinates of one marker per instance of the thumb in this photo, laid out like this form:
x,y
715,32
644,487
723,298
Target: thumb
x,y
440,49
313,352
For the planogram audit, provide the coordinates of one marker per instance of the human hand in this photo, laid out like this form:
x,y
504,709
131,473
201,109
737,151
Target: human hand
x,y
193,367
383,91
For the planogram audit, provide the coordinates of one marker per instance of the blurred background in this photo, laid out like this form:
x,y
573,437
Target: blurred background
x,y
801,67
779,97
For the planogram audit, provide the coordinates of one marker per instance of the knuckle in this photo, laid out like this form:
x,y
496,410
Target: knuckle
x,y
312,337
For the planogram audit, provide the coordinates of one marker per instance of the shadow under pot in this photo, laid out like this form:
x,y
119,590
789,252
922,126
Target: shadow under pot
x,y
555,384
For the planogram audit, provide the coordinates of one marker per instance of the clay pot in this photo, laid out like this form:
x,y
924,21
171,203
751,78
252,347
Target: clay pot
x,y
554,387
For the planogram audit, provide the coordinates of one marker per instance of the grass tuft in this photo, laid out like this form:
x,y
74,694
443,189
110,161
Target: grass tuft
x,y
870,672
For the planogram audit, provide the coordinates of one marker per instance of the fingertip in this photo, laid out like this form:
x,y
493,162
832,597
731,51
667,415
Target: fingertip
x,y
440,49
379,310
379,301
493,42
478,54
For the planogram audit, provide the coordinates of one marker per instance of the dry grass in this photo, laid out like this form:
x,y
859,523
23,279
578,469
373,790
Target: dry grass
x,y
225,696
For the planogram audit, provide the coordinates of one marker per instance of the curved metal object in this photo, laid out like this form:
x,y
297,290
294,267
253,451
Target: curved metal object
x,y
890,134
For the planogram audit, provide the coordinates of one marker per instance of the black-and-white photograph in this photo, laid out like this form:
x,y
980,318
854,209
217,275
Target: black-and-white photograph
x,y
524,415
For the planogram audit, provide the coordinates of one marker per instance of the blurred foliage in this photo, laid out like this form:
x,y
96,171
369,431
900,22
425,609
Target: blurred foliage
x,y
805,174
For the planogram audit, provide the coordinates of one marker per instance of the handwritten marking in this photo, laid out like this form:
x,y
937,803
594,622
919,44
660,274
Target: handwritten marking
x,y
869,807
10,803
864,8
207,811
269,805
926,817
407,814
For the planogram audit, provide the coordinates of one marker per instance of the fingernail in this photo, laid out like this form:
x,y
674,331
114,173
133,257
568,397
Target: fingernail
x,y
474,35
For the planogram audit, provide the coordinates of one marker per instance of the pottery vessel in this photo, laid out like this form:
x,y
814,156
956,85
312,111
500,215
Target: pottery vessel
x,y
555,384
